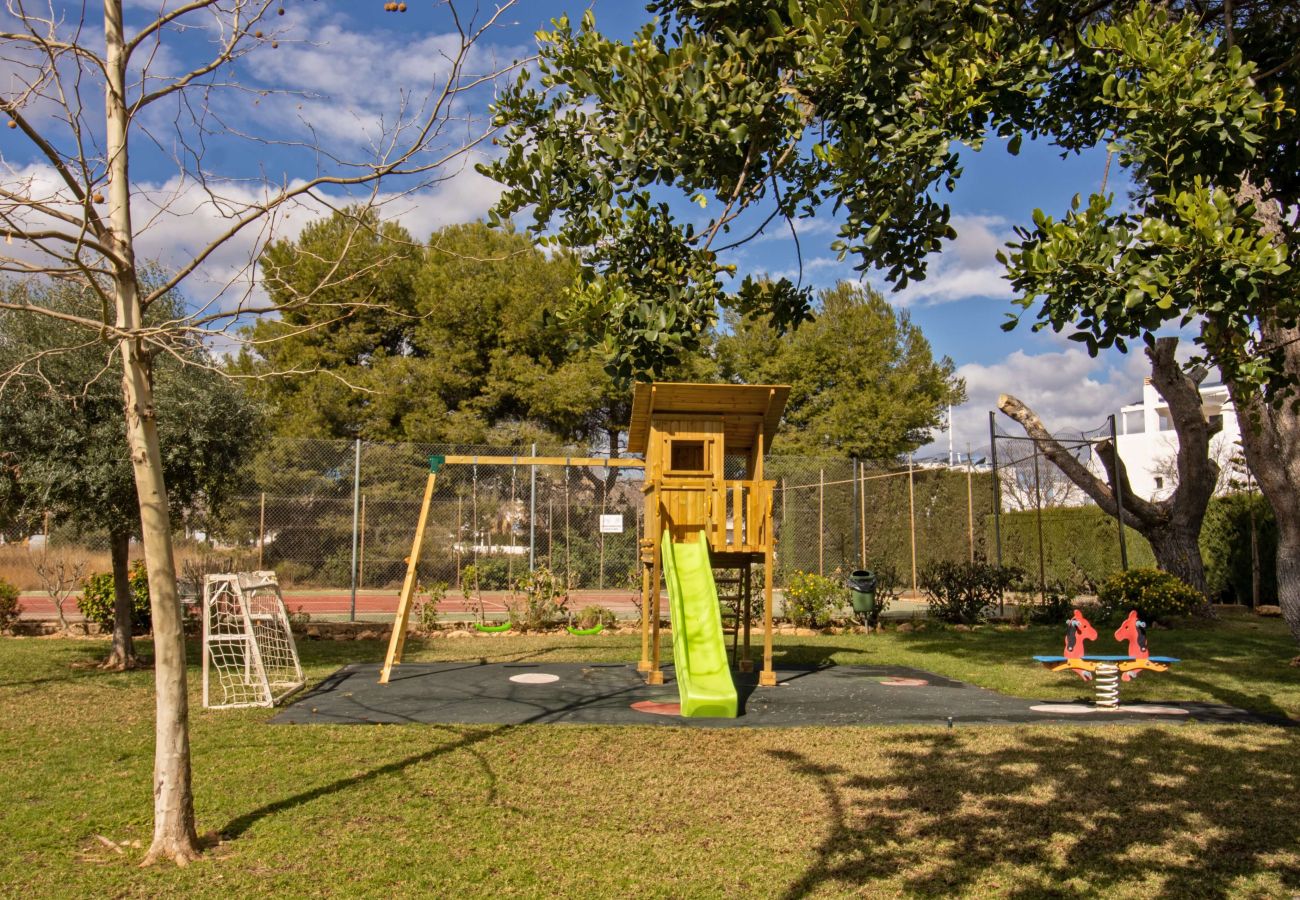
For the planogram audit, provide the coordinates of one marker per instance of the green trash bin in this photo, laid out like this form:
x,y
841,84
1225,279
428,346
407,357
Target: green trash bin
x,y
862,592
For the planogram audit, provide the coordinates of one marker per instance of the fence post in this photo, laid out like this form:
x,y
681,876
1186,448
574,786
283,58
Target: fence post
x,y
970,505
261,533
604,499
532,513
1038,515
356,516
1119,497
821,521
862,504
997,487
911,515
361,557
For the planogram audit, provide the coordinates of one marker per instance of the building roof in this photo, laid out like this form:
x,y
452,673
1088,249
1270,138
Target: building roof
x,y
741,406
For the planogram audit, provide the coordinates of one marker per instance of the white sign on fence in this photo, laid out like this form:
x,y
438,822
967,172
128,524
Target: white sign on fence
x,y
611,523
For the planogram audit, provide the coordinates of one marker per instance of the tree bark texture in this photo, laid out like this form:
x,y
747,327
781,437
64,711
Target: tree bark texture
x,y
1270,437
174,835
122,654
1172,526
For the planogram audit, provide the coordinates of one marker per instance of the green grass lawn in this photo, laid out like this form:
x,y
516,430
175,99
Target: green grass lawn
x,y
413,810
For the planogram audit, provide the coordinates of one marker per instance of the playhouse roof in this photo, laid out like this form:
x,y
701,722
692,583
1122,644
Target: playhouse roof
x,y
742,407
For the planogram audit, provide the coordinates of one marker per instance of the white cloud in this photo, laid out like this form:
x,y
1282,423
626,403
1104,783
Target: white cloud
x,y
1069,390
966,268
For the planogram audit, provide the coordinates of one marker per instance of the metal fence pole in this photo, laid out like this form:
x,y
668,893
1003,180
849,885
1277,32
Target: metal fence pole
x,y
356,520
862,503
1119,497
821,521
361,556
532,513
997,487
1038,515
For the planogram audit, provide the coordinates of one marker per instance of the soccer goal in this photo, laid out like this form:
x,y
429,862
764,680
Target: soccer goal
x,y
249,656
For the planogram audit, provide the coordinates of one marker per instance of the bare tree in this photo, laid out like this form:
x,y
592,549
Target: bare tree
x,y
1172,525
59,575
70,209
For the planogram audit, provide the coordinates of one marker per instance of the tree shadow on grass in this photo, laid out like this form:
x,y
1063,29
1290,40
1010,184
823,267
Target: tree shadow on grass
x,y
1114,809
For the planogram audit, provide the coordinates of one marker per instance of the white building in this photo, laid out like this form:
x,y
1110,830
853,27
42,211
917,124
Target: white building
x,y
1148,445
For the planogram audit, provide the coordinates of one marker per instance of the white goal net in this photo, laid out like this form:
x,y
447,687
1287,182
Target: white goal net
x,y
249,657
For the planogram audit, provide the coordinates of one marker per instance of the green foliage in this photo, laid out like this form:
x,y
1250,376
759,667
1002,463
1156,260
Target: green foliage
x,y
812,600
449,339
65,433
426,611
1225,544
593,615
9,606
1198,134
781,108
963,592
1052,607
1154,594
545,603
1080,545
863,381
98,597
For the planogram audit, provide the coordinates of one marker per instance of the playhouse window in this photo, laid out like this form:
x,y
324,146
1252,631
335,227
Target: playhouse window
x,y
687,456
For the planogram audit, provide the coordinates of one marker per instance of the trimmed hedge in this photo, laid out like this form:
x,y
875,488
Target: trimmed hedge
x,y
1080,545
1225,545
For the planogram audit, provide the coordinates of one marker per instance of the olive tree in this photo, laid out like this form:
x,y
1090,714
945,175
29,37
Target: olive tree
x,y
87,93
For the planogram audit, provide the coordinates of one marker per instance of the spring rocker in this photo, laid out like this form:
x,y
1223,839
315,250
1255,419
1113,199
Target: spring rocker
x,y
1106,672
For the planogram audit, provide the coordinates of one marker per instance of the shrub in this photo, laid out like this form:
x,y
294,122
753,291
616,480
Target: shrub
x,y
546,598
1052,607
9,607
1225,544
811,600
591,616
1154,594
962,592
98,596
426,611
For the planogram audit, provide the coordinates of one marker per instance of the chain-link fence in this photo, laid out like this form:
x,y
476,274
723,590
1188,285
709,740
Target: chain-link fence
x,y
316,511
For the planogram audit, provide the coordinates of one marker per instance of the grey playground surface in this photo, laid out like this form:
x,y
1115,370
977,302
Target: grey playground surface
x,y
603,694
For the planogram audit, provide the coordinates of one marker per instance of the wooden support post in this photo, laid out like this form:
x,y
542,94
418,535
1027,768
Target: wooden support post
x,y
656,675
767,678
911,515
746,612
644,665
261,533
862,500
821,521
398,638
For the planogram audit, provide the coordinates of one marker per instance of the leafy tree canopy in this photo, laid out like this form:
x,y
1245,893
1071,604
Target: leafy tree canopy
x,y
453,347
864,382
65,447
778,109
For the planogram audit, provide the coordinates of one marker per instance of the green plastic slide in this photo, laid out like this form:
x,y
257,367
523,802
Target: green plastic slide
x,y
699,651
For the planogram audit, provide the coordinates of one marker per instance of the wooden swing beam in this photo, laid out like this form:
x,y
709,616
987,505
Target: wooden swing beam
x,y
397,640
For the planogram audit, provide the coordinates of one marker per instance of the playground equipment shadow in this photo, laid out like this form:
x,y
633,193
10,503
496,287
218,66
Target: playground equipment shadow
x,y
610,693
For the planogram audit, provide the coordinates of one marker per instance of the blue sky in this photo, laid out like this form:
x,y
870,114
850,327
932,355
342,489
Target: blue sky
x,y
347,65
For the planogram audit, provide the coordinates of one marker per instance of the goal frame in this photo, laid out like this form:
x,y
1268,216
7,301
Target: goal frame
x,y
241,587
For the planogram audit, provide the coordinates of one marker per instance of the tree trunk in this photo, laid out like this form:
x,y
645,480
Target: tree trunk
x,y
174,835
1177,551
122,655
1270,437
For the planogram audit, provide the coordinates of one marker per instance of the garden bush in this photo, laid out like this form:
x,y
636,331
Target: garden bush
x,y
811,600
98,595
1051,607
591,616
962,592
546,600
9,608
1225,546
1154,594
